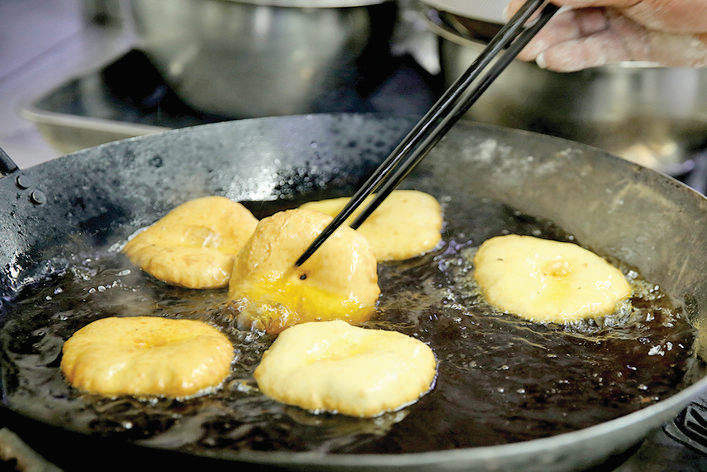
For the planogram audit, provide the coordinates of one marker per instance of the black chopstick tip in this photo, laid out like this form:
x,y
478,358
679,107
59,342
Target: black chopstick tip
x,y
303,258
318,241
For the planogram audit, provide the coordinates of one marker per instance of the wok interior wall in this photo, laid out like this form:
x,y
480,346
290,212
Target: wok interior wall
x,y
99,196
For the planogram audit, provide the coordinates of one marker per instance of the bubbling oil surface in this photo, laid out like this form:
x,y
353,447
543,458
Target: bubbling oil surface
x,y
500,379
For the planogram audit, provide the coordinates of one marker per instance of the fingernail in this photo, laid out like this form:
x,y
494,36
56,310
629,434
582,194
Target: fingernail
x,y
540,61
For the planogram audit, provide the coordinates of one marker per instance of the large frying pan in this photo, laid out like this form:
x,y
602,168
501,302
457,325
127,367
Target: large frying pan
x,y
97,197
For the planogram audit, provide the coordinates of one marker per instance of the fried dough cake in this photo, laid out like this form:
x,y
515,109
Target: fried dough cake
x,y
547,281
334,367
195,244
407,223
339,281
147,356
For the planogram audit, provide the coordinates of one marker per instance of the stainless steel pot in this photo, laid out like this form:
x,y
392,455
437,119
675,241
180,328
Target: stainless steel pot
x,y
87,202
250,58
651,115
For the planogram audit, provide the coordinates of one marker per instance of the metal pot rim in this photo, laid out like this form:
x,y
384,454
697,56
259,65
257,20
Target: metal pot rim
x,y
436,25
308,3
468,9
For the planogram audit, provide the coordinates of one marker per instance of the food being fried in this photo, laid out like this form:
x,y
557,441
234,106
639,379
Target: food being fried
x,y
334,367
147,356
548,281
195,244
406,224
339,281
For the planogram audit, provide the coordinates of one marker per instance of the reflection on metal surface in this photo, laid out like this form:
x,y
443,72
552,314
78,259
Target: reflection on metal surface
x,y
129,98
240,57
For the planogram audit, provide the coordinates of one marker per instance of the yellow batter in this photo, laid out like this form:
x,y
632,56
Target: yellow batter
x,y
339,281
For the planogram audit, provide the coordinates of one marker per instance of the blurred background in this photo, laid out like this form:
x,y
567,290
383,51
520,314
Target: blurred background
x,y
42,44
78,73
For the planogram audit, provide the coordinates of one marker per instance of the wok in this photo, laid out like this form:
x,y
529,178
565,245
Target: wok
x,y
88,201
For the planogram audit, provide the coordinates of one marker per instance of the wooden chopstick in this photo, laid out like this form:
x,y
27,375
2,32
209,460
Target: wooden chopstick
x,y
455,101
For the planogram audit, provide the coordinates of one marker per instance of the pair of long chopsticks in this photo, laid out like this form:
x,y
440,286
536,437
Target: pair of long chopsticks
x,y
456,100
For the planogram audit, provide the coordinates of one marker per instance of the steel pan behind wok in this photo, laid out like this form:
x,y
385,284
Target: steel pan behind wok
x,y
97,197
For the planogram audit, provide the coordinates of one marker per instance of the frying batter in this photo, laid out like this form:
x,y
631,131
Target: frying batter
x,y
547,281
334,367
340,281
195,244
147,356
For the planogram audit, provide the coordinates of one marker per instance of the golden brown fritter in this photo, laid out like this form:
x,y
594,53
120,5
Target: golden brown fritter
x,y
195,244
339,281
334,367
147,356
547,281
406,224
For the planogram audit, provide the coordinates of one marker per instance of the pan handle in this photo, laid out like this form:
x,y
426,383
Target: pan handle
x,y
7,165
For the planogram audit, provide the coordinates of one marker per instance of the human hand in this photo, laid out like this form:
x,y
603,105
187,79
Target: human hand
x,y
590,33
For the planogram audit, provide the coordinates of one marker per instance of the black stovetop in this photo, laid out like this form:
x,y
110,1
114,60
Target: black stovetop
x,y
131,91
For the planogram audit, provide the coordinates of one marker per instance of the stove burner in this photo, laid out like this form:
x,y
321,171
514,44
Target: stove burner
x,y
690,427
